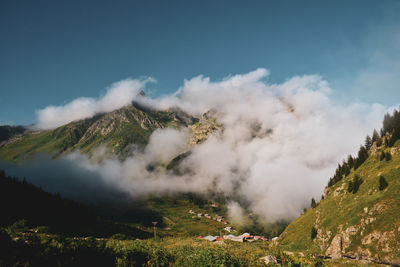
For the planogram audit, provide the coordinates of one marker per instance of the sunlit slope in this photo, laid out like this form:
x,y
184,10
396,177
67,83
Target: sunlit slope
x,y
363,223
116,131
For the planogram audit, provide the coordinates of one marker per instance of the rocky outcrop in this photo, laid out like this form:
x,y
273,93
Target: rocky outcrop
x,y
269,260
341,242
206,126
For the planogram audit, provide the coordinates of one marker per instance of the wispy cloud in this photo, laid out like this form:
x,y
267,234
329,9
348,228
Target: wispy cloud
x,y
118,95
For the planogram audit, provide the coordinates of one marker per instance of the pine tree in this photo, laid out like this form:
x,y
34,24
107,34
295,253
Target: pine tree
x,y
357,181
313,203
350,161
388,156
314,233
375,136
350,187
382,183
368,142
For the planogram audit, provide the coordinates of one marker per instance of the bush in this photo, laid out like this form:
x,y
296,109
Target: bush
x,y
313,203
198,256
382,156
382,183
388,156
314,233
354,185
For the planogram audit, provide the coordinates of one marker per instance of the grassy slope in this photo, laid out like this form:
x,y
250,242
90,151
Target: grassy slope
x,y
178,220
125,131
348,209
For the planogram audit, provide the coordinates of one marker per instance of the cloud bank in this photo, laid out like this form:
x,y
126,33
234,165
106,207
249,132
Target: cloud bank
x,y
118,95
279,144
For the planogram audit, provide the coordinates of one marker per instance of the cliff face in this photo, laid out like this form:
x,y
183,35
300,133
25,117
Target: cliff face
x,y
364,224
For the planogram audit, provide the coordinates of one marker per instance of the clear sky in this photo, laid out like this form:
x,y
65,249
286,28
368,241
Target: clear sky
x,y
52,52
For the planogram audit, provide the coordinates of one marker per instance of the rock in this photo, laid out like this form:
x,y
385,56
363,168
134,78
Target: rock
x,y
394,150
378,208
206,126
339,190
322,238
335,249
375,235
289,253
269,259
364,254
346,236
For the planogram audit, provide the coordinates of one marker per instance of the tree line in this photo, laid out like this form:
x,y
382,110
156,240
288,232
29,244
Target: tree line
x,y
21,200
388,135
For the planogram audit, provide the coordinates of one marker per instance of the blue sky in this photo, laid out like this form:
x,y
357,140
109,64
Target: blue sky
x,y
52,52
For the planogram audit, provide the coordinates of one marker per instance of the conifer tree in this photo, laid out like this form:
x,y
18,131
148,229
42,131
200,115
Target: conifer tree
x,y
313,203
375,136
382,183
368,142
314,233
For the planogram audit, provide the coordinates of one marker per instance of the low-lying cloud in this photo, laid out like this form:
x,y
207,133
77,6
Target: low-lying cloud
x,y
279,145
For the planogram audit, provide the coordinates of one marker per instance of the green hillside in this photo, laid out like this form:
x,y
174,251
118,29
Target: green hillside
x,y
117,131
359,215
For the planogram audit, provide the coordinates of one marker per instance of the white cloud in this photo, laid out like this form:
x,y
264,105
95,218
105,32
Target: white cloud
x,y
118,95
279,146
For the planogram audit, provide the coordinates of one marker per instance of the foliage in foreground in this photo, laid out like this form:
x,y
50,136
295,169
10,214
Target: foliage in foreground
x,y
24,248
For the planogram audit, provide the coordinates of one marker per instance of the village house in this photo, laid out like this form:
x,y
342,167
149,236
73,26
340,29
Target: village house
x,y
191,212
214,205
199,214
207,216
219,218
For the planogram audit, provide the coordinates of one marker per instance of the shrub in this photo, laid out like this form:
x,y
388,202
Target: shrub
x,y
382,183
314,233
313,203
354,185
388,156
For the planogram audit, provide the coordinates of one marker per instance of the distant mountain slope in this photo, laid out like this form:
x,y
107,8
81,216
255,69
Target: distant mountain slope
x,y
117,131
6,132
22,200
359,216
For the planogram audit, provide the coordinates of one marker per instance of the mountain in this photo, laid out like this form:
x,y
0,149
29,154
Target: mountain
x,y
7,132
358,215
117,131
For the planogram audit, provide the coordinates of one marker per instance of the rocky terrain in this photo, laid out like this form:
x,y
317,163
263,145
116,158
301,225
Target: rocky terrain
x,y
358,224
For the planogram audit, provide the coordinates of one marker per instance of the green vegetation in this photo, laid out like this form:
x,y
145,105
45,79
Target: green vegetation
x,y
382,183
314,233
354,184
313,203
117,131
359,207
